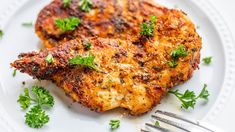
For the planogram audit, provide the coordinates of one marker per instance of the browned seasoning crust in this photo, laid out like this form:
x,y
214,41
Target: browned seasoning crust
x,y
108,18
132,76
133,70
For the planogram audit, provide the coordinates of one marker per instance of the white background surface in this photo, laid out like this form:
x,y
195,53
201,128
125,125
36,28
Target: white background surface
x,y
225,119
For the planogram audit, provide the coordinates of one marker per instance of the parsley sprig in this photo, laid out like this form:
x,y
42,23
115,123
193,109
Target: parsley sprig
x,y
188,98
207,60
49,58
85,5
67,24
87,45
179,52
176,54
147,28
86,61
25,99
36,116
157,123
27,24
114,124
43,97
66,3
14,73
1,33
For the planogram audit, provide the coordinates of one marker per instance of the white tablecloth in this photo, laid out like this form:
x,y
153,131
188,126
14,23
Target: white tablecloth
x,y
226,118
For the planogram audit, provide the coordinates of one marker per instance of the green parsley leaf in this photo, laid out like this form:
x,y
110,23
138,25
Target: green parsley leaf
x,y
1,33
153,19
87,45
179,52
204,93
66,3
14,73
36,117
43,96
25,99
172,63
188,98
49,58
114,124
207,60
67,24
147,28
27,24
86,61
176,54
85,5
157,123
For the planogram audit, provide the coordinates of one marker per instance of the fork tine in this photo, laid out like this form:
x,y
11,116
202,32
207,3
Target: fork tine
x,y
176,116
172,123
181,118
157,127
142,130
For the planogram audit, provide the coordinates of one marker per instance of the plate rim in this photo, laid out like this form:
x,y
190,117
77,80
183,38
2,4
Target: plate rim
x,y
229,52
219,24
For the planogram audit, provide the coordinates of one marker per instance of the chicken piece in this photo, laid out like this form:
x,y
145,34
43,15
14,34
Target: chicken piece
x,y
134,76
108,19
131,71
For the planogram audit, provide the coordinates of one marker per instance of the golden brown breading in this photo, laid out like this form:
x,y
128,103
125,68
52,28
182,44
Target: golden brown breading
x,y
131,76
133,70
108,19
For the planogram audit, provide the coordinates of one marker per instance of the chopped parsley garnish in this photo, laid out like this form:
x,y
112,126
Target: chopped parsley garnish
x,y
66,3
204,93
176,54
36,117
27,24
86,61
1,33
49,58
157,123
85,5
188,98
147,28
67,24
179,52
114,124
207,60
14,73
87,45
41,98
173,63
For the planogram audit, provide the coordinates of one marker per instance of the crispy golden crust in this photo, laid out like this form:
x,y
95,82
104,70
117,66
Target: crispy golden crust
x,y
108,19
133,70
132,75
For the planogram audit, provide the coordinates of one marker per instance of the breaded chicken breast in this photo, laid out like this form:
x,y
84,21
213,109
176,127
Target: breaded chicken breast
x,y
108,19
121,66
122,74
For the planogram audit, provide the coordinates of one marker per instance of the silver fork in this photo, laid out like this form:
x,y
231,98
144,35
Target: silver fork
x,y
177,123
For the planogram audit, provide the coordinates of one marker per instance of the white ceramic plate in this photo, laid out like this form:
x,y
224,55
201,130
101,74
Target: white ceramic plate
x,y
217,42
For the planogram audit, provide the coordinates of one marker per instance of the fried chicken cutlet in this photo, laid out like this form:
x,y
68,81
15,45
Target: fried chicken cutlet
x,y
130,76
108,19
126,69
